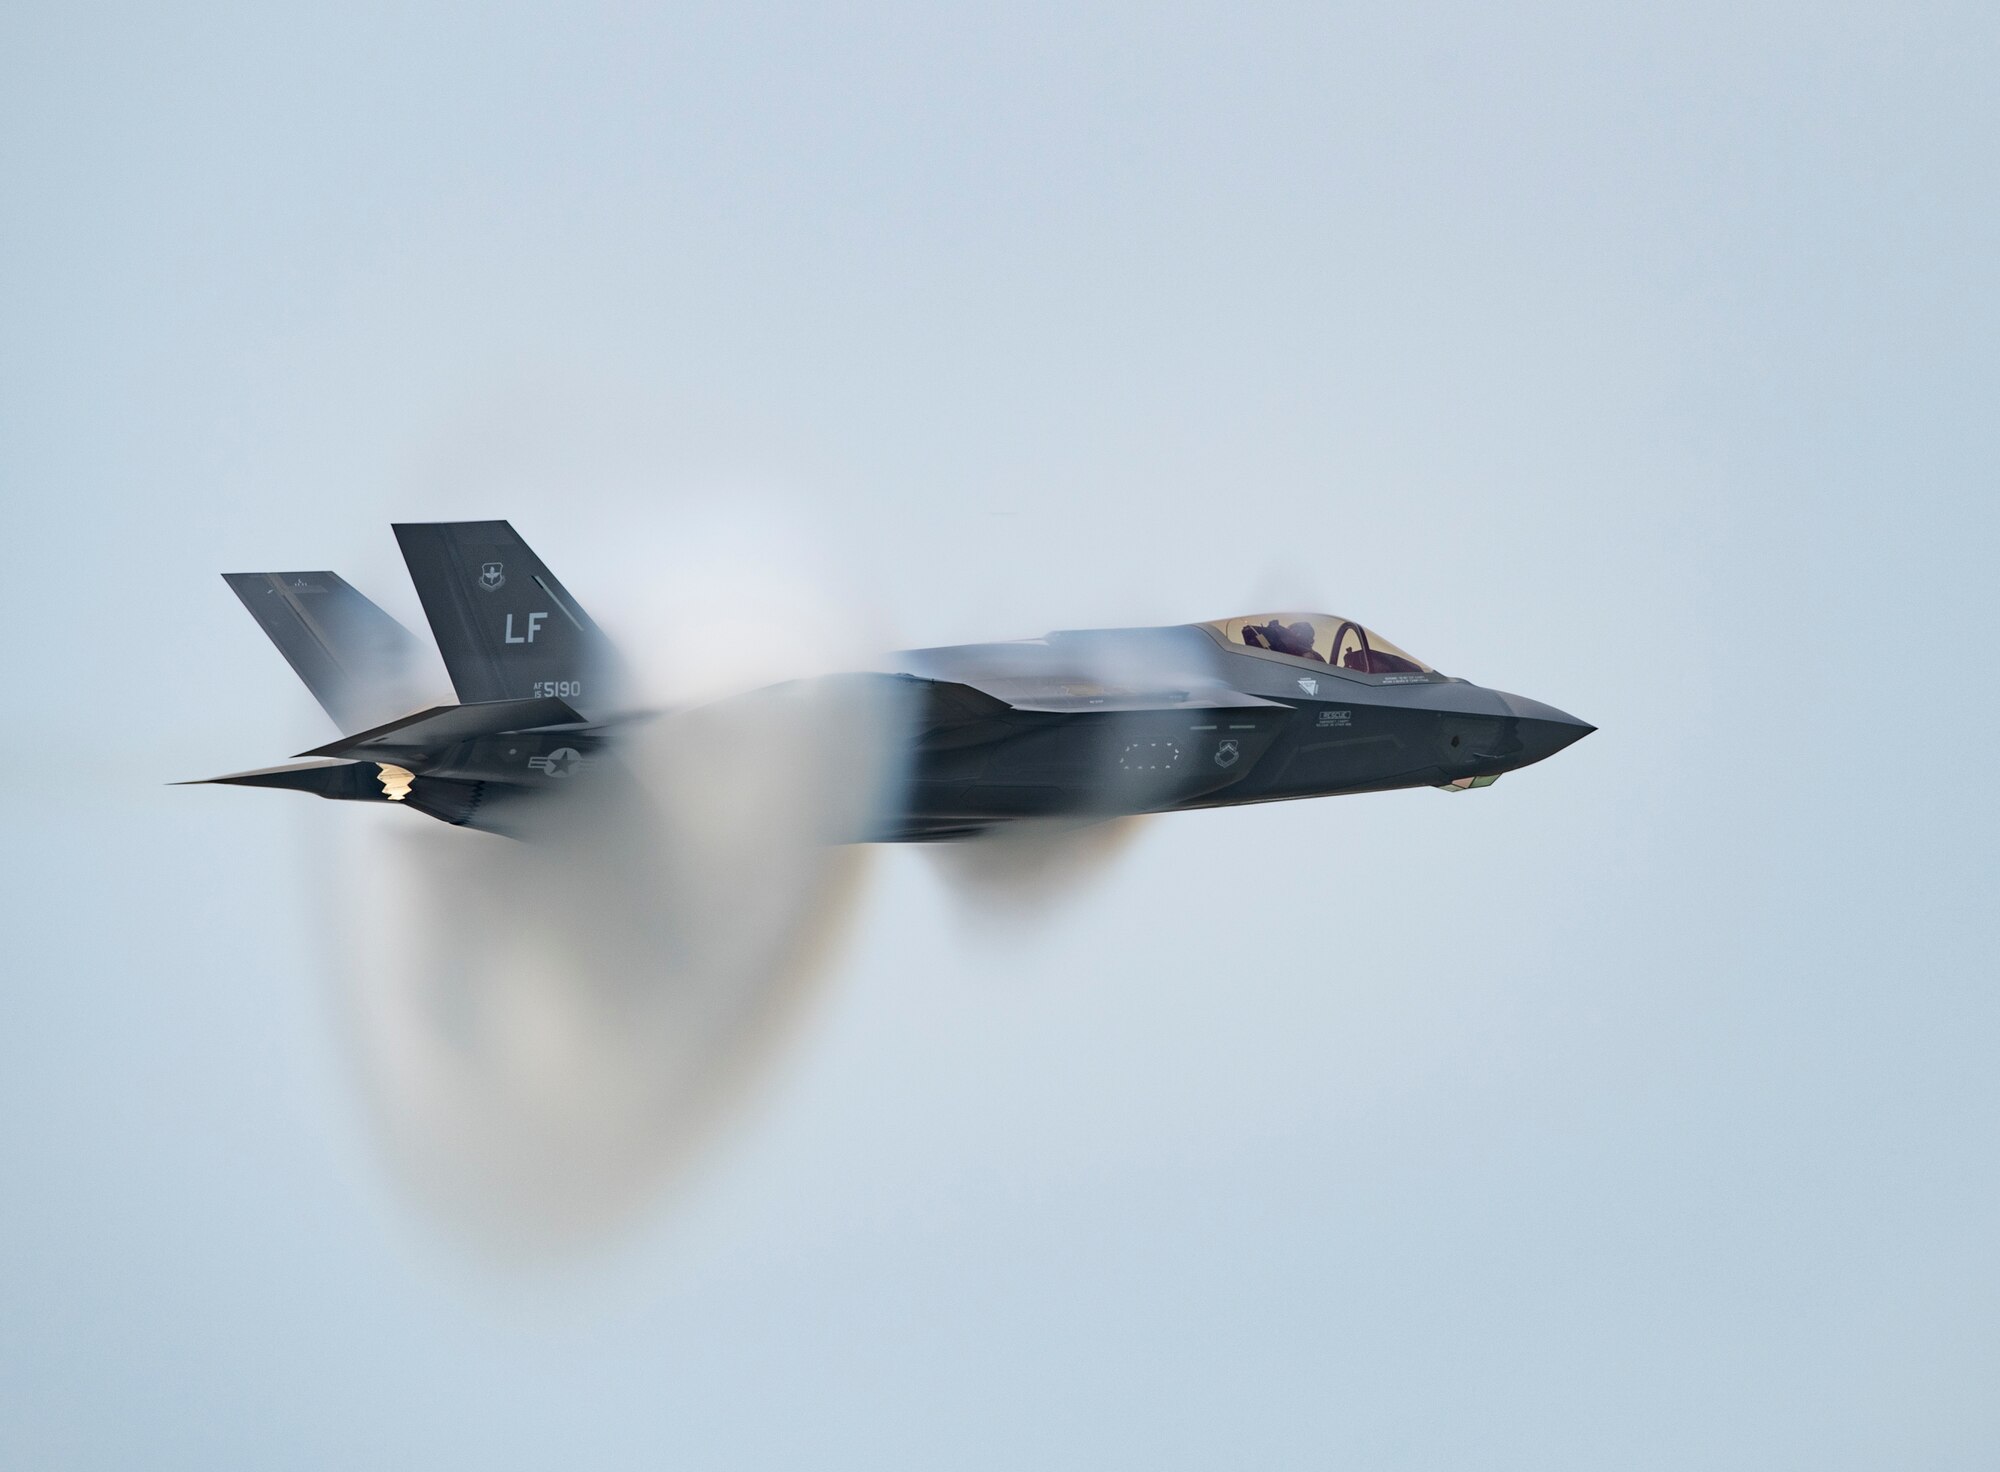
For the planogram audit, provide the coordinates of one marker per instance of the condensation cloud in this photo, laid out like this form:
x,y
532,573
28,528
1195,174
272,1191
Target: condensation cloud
x,y
547,1028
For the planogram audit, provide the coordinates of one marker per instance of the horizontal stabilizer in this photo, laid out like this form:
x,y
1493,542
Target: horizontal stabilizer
x,y
352,781
358,662
447,725
447,799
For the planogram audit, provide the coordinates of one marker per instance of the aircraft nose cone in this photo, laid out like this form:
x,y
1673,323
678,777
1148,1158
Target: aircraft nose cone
x,y
1544,730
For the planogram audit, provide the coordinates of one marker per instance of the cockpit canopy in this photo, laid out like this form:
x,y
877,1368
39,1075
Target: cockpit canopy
x,y
1324,638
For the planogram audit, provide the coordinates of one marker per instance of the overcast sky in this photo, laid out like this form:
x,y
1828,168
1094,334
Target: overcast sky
x,y
1638,1111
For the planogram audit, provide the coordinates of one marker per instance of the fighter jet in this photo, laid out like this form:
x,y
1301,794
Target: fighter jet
x,y
1075,726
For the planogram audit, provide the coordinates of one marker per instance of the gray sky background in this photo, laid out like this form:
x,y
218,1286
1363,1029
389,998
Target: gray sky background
x,y
1638,1112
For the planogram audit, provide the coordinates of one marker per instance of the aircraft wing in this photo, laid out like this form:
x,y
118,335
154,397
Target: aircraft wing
x,y
1071,697
1127,670
445,725
971,706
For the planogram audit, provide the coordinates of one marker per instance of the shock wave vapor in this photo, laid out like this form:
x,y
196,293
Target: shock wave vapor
x,y
1077,725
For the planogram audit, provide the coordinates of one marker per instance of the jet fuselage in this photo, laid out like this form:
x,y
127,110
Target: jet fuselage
x,y
1154,720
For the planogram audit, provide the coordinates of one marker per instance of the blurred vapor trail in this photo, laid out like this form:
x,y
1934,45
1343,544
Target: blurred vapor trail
x,y
1024,870
1027,870
547,1027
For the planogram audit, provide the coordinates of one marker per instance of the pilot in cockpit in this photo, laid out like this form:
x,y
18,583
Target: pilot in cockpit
x,y
1280,638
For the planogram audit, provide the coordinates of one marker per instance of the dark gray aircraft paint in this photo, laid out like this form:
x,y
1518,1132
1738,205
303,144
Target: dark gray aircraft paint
x,y
1076,725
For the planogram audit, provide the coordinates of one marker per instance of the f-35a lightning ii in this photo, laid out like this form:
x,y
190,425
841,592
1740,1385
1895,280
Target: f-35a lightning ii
x,y
1076,725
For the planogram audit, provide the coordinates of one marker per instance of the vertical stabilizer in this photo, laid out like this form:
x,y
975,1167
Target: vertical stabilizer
x,y
508,630
360,664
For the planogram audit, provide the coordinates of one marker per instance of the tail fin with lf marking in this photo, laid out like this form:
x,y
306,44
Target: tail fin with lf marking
x,y
508,630
521,653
